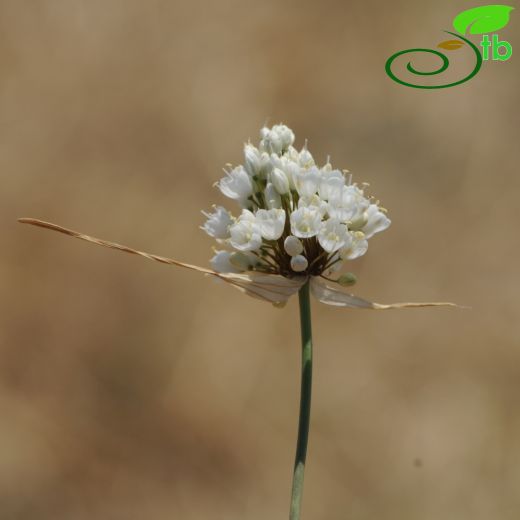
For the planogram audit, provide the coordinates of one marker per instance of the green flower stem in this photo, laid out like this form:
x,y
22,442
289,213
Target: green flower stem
x,y
305,402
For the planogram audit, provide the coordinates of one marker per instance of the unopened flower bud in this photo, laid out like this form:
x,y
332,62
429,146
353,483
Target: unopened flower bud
x,y
347,279
280,181
264,132
252,159
286,135
299,263
306,159
277,139
293,245
272,197
265,165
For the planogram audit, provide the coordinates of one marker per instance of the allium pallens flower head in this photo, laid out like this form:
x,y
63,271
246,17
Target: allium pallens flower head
x,y
294,216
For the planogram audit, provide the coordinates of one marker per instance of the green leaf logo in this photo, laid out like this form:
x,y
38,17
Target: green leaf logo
x,y
484,19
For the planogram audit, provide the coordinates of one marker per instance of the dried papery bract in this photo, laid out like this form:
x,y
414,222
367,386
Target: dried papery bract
x,y
274,289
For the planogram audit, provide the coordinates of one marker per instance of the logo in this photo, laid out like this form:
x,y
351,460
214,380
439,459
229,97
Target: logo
x,y
479,20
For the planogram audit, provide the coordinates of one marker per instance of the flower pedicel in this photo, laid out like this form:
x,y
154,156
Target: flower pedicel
x,y
297,224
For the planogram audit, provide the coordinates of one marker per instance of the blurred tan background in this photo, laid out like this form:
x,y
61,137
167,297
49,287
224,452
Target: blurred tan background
x,y
134,391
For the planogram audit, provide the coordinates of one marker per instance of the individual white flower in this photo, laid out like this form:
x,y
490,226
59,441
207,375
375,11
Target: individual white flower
x,y
251,159
287,166
271,223
236,184
245,232
357,247
280,181
314,201
286,134
305,158
305,222
272,197
307,181
377,221
277,139
291,169
331,183
333,235
217,225
293,245
278,161
348,204
271,142
257,163
292,155
299,263
221,263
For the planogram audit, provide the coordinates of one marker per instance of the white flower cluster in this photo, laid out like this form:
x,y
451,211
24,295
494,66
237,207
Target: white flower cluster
x,y
296,217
